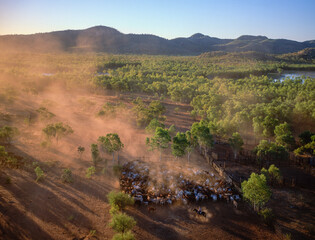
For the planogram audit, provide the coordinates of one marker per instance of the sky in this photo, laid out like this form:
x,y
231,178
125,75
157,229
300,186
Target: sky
x,y
289,19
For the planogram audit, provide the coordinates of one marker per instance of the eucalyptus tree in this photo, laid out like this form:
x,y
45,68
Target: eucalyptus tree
x,y
192,143
284,136
159,141
95,154
80,150
256,190
236,142
111,143
202,132
57,130
7,133
179,145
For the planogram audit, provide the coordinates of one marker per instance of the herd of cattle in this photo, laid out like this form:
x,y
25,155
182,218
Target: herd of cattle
x,y
149,183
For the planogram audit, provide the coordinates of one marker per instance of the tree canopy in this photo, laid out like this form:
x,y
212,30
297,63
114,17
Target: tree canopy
x,y
95,154
273,174
154,123
120,199
111,143
202,133
256,190
160,140
284,135
7,133
271,150
236,142
57,130
122,223
179,145
192,143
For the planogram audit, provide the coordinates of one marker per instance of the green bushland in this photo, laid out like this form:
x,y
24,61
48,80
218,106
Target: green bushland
x,y
231,92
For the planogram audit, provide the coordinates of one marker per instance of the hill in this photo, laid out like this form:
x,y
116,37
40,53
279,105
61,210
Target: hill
x,y
110,40
307,54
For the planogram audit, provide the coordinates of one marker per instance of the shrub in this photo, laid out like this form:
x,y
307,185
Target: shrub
x,y
35,164
7,160
265,172
90,171
80,150
44,113
126,236
114,210
95,154
268,216
7,133
39,173
66,176
274,174
91,234
45,144
120,199
3,153
288,236
122,223
12,162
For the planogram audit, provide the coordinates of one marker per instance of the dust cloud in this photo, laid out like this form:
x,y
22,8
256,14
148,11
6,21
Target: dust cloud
x,y
43,81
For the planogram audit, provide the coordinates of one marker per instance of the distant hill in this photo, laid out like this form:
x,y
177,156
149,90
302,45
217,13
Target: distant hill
x,y
109,40
307,54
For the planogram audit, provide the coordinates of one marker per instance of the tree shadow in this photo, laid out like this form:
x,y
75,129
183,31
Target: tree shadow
x,y
155,227
15,225
180,222
45,205
52,202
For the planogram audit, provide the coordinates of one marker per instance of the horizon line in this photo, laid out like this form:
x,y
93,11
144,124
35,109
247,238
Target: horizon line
x,y
69,29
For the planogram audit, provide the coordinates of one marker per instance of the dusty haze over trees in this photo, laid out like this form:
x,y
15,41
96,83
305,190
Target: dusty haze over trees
x,y
181,104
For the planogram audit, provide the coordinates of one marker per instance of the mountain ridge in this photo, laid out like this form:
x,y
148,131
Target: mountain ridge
x,y
110,40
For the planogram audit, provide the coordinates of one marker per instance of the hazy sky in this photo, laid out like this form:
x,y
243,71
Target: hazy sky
x,y
291,19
